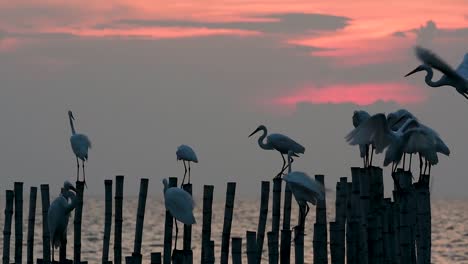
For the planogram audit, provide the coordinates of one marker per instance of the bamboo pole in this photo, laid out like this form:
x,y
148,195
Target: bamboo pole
x,y
77,222
45,226
341,208
364,206
272,248
140,216
276,211
10,196
251,247
334,244
372,238
404,228
285,249
320,228
107,220
18,187
228,211
118,219
207,212
63,243
155,258
265,195
31,223
187,240
424,219
211,253
353,236
387,232
178,256
236,250
168,226
299,240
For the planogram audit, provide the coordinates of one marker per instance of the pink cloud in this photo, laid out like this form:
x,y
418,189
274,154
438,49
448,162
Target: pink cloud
x,y
360,94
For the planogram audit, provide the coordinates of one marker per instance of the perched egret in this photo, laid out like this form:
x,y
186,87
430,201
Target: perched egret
x,y
456,78
358,118
279,142
58,214
180,204
186,153
80,144
305,190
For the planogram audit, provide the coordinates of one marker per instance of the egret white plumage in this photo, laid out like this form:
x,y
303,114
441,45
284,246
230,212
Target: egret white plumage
x,y
186,153
278,142
456,78
358,118
80,144
180,204
305,190
58,214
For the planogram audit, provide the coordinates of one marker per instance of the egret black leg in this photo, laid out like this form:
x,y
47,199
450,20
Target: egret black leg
x,y
372,155
185,173
429,173
84,175
420,165
77,169
404,159
425,166
176,233
410,156
52,252
189,172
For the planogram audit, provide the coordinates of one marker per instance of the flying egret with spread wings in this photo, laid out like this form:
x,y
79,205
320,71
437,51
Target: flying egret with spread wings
x,y
278,142
457,78
80,144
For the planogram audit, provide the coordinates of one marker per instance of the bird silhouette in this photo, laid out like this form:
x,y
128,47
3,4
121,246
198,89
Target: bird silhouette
x,y
186,153
80,144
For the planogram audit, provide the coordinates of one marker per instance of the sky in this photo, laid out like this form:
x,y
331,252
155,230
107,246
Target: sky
x,y
143,77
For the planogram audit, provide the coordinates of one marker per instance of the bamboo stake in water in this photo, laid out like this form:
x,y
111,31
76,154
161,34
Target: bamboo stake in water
x,y
107,220
334,238
272,248
206,226
387,232
63,243
424,220
168,224
341,204
187,241
354,223
228,211
364,206
236,250
320,228
211,254
118,219
299,238
45,226
350,234
18,222
404,195
265,194
251,247
31,223
10,195
276,205
155,258
140,215
77,222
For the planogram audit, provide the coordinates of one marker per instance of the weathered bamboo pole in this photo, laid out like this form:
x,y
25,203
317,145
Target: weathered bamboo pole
x,y
364,206
178,256
77,222
187,240
155,258
140,216
372,238
396,226
10,196
129,260
251,247
118,218
207,212
31,223
340,212
107,220
387,232
45,226
168,226
228,211
299,239
236,250
18,187
320,228
285,249
353,223
210,259
334,238
404,195
276,211
265,195
272,248
424,220
63,243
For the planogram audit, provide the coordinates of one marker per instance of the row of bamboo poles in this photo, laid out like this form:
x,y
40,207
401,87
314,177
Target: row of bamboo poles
x,y
368,228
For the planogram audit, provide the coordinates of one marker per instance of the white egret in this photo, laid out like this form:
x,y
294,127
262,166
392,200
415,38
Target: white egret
x,y
358,118
58,214
456,78
305,190
186,153
180,204
279,142
80,144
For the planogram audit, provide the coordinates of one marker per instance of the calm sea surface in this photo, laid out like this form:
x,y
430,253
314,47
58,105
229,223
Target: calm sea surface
x,y
449,227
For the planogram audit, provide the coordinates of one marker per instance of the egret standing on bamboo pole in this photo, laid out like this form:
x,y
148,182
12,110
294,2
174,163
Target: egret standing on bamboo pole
x,y
58,214
458,78
278,142
180,204
186,153
80,144
358,118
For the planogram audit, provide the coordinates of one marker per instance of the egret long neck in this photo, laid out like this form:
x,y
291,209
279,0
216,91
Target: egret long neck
x,y
262,138
428,79
72,126
74,202
408,122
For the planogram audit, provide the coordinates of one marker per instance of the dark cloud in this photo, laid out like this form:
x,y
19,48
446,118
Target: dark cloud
x,y
399,34
289,23
426,33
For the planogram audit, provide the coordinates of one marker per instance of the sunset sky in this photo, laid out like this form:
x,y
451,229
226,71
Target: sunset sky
x,y
143,77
